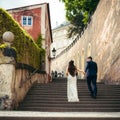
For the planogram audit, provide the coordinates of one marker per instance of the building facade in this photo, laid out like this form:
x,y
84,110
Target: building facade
x,y
35,19
60,40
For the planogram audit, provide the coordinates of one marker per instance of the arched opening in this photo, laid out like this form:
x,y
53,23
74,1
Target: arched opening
x,y
89,50
78,63
82,61
78,59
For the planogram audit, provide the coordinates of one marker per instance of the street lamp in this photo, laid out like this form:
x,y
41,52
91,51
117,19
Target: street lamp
x,y
54,52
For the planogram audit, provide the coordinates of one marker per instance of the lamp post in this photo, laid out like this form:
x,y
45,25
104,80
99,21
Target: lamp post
x,y
54,52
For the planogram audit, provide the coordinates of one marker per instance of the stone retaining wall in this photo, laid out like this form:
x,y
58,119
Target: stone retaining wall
x,y
15,83
101,40
23,82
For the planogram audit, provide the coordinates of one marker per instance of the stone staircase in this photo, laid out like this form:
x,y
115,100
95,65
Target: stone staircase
x,y
51,99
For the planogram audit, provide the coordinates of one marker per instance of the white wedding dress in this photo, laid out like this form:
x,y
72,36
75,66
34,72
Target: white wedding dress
x,y
72,93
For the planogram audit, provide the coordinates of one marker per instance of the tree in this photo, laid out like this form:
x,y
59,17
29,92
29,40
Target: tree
x,y
78,13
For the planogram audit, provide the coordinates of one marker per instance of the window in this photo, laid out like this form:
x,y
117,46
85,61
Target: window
x,y
24,20
27,20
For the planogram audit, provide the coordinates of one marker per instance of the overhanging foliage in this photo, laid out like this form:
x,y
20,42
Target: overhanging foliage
x,y
27,50
78,13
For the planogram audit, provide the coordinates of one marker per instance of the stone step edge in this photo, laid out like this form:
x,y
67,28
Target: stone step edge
x,y
60,114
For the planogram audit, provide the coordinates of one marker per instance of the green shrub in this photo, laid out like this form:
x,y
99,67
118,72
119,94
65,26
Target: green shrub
x,y
27,50
39,41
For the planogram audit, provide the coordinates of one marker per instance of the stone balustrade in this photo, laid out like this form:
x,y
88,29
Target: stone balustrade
x,y
14,81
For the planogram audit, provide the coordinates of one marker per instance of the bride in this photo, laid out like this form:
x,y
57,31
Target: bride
x,y
71,72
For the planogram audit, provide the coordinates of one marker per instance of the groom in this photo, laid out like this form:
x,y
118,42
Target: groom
x,y
91,75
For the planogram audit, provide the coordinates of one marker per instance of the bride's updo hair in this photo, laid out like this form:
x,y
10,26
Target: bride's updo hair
x,y
71,68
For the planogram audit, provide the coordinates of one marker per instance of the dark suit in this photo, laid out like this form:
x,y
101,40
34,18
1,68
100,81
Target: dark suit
x,y
91,75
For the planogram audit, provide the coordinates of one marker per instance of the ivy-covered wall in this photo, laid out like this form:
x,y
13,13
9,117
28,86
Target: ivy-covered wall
x,y
27,50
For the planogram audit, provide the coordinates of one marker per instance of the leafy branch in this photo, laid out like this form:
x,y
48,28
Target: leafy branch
x,y
78,13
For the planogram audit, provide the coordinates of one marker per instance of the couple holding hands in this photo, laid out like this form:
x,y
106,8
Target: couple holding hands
x,y
90,75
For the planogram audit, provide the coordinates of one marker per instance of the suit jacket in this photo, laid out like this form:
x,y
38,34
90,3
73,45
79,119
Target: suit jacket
x,y
91,69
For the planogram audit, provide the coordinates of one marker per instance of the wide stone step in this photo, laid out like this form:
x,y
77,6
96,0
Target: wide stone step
x,y
58,115
65,102
79,91
80,94
65,92
76,104
79,85
64,109
63,96
83,87
54,118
